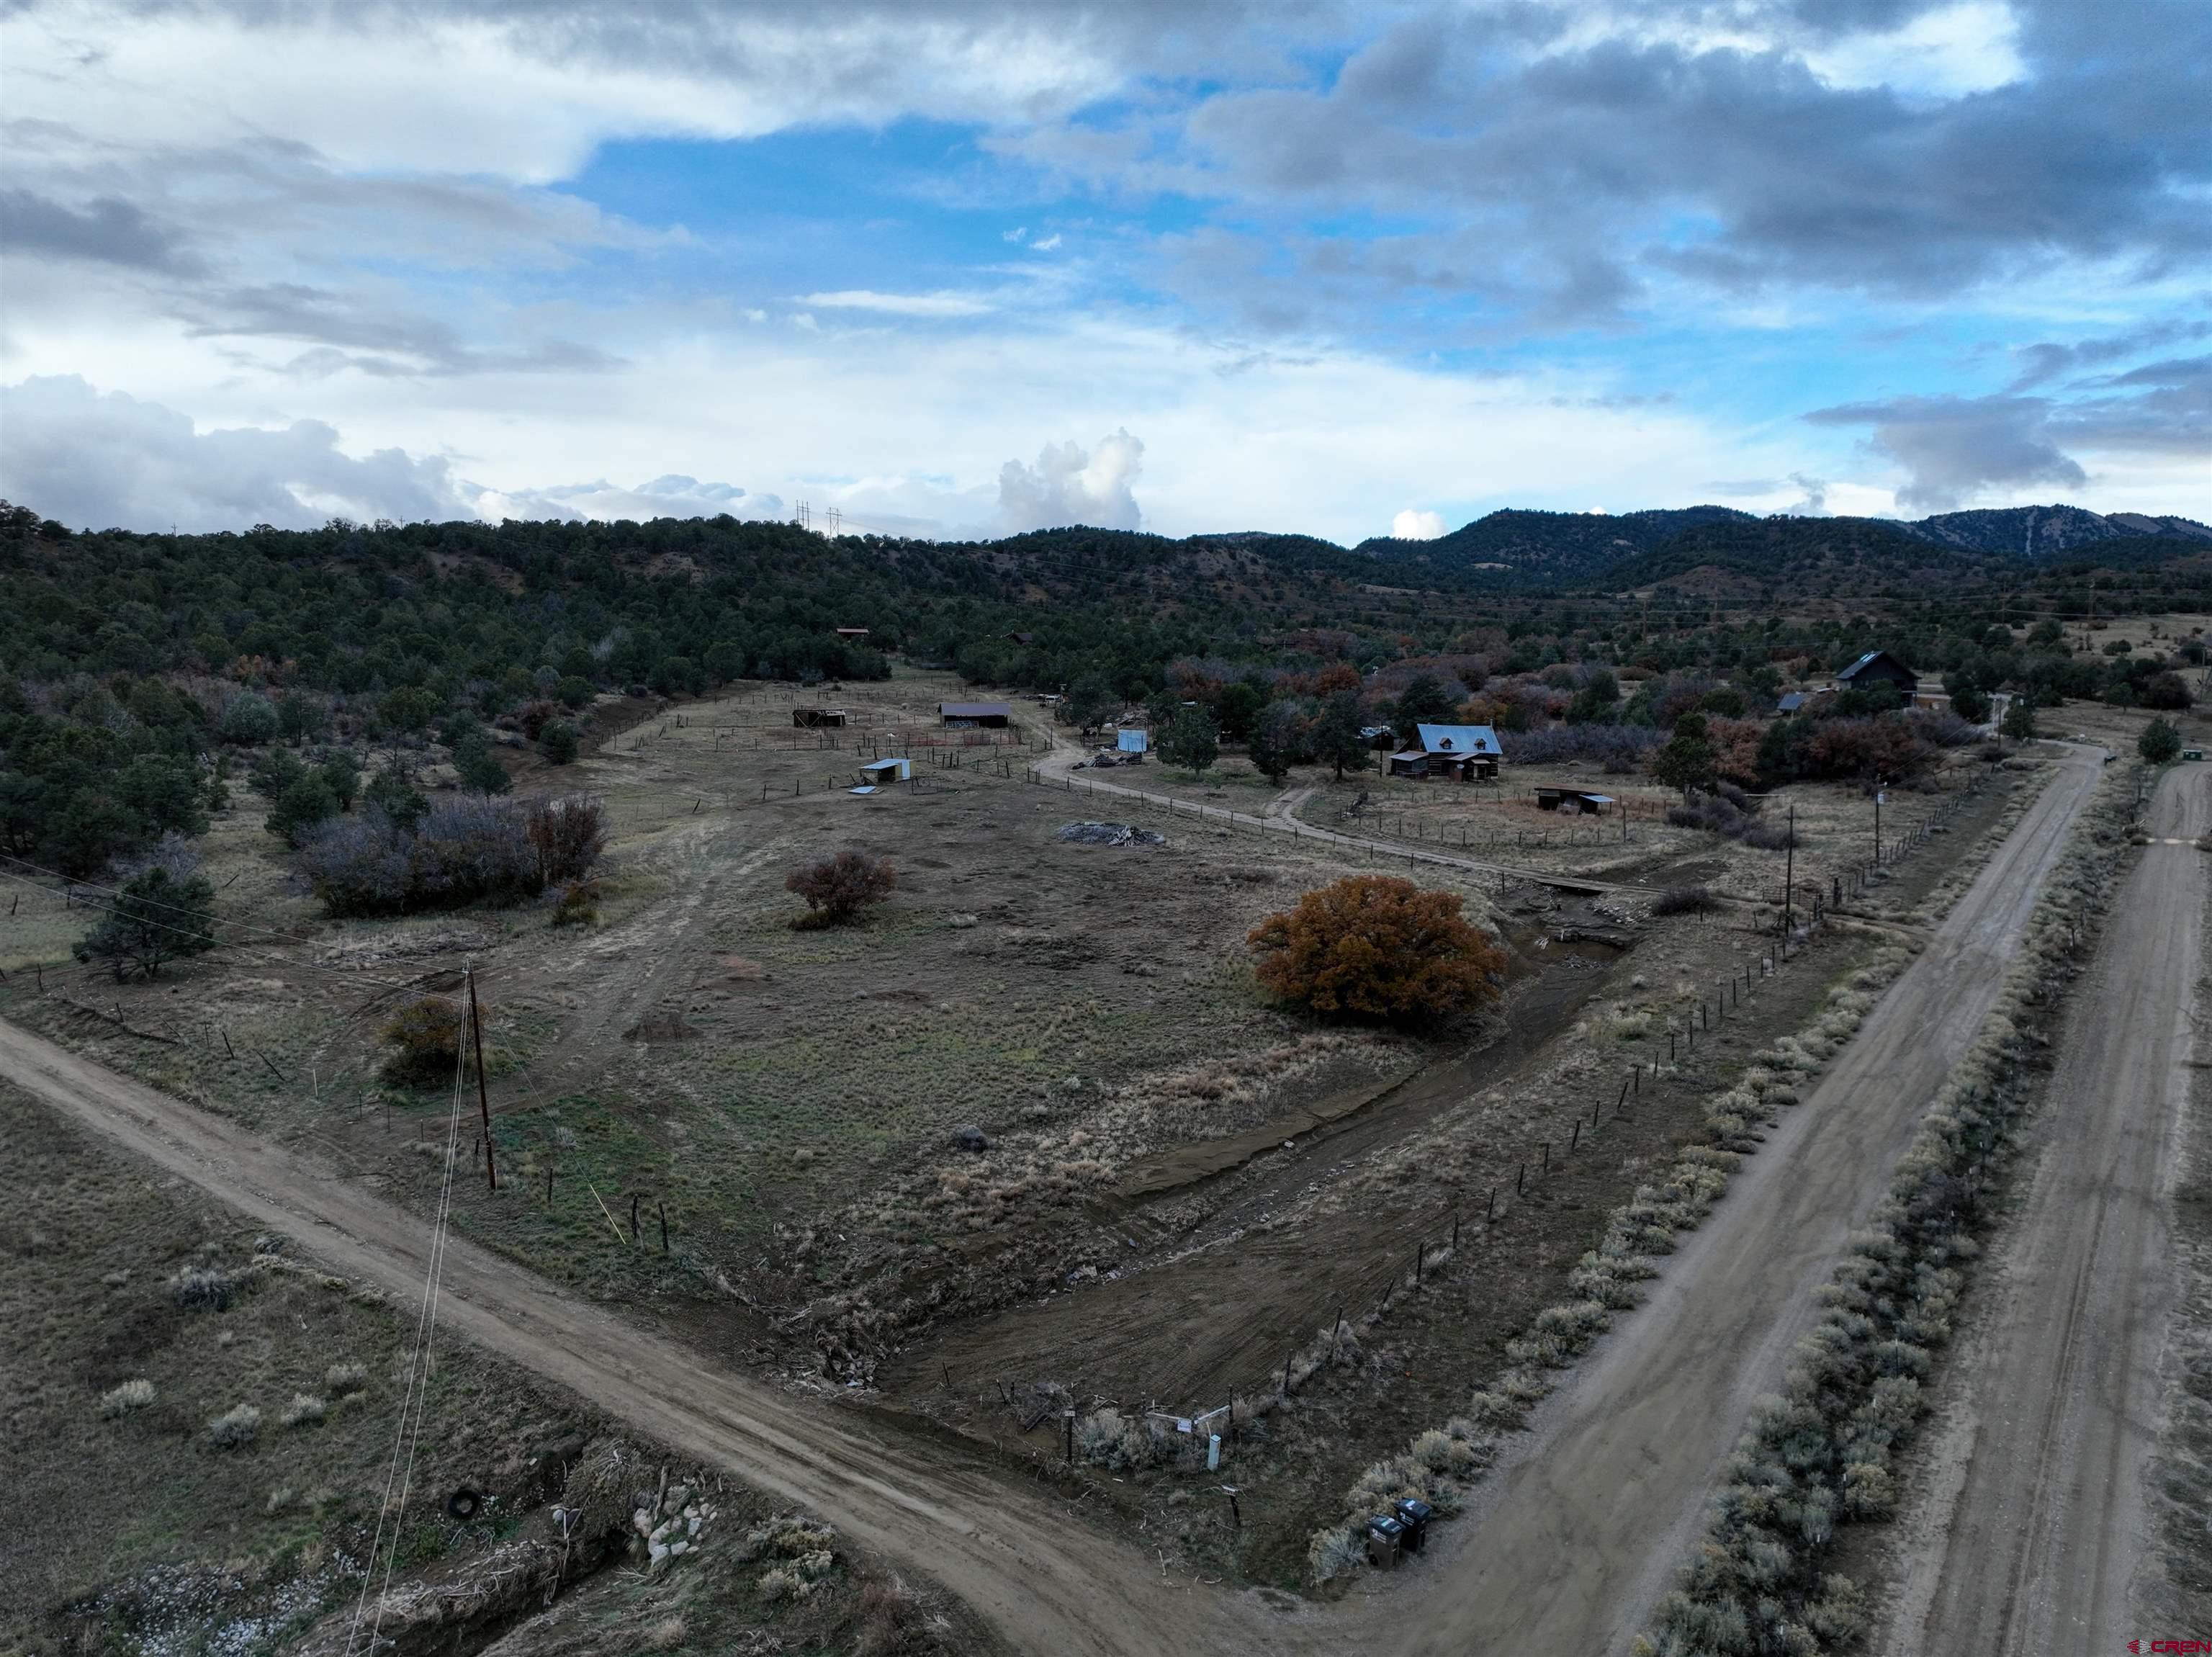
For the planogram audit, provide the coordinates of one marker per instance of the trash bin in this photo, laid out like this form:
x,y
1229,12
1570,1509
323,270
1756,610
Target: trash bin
x,y
1414,1514
1386,1539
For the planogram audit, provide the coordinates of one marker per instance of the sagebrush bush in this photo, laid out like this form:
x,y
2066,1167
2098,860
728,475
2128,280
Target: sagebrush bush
x,y
346,1377
235,1428
429,1036
304,1410
206,1288
122,1400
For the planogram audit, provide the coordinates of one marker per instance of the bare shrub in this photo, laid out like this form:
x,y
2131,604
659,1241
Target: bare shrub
x,y
122,1400
579,904
569,836
888,1614
838,888
234,1430
1334,1550
1717,814
459,851
1684,900
427,1036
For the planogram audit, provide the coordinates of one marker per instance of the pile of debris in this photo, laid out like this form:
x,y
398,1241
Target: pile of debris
x,y
1110,834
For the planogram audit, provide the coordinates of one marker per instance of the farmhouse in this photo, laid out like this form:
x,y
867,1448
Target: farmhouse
x,y
1464,751
976,716
1874,667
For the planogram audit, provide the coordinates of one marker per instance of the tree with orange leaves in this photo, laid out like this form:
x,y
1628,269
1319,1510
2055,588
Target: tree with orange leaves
x,y
1376,947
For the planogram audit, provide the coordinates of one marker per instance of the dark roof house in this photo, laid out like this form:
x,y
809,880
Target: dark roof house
x,y
1874,667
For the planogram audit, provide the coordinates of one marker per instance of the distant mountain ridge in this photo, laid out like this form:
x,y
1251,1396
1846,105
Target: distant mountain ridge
x,y
1516,547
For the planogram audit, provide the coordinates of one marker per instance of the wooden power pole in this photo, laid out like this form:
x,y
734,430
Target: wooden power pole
x,y
484,1098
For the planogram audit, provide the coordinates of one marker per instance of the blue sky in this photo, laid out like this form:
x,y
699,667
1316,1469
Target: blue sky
x,y
956,269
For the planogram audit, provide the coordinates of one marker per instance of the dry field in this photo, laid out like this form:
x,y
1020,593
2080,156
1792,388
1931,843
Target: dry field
x,y
1182,1184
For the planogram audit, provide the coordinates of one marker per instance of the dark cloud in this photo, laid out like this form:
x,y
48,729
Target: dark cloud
x,y
2048,360
1954,447
350,334
97,460
2161,408
107,230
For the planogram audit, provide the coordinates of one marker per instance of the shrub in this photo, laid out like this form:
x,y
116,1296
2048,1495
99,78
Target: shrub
x,y
346,1377
155,918
837,888
427,1036
569,836
234,1430
559,742
461,851
1617,748
122,1400
579,904
304,1410
1684,900
305,800
573,691
206,1288
250,719
1332,1552
2168,691
2160,742
1377,946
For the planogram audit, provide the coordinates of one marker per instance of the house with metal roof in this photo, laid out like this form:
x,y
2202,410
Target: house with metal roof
x,y
1462,752
1873,667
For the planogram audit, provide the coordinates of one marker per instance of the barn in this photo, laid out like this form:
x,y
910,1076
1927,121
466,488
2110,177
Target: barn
x,y
976,716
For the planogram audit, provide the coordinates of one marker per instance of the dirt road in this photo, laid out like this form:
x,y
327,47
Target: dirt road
x,y
1570,1543
1007,1548
1279,816
2036,1521
1572,1540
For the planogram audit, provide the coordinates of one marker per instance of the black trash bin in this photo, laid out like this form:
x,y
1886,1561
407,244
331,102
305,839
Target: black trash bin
x,y
1412,1515
1386,1541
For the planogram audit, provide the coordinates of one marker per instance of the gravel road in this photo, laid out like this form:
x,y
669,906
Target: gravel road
x,y
2036,1523
1570,1543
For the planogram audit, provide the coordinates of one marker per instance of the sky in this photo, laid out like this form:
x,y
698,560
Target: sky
x,y
956,269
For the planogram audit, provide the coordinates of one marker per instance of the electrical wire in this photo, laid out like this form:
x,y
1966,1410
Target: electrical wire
x,y
415,1397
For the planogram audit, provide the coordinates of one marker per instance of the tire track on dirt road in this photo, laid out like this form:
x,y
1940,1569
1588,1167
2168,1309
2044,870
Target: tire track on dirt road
x,y
2037,1523
1577,1533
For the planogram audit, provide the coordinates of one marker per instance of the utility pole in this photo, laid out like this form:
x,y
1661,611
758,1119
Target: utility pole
x,y
484,1098
1877,819
1790,873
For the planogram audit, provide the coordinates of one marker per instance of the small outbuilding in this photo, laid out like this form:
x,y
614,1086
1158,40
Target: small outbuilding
x,y
810,719
976,716
855,634
1135,742
1576,802
881,771
1794,703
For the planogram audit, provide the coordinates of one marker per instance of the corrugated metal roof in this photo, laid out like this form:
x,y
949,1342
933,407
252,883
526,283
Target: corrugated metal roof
x,y
1458,739
1791,704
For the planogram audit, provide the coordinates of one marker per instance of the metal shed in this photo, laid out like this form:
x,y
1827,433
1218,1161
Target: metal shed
x,y
887,770
990,715
1574,801
1132,741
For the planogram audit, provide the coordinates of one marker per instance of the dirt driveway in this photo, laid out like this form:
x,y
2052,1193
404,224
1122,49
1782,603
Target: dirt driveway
x,y
2036,1523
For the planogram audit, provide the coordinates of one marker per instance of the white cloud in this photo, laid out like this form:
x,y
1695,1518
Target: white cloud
x,y
1047,244
865,298
673,496
1067,486
1946,53
97,460
1015,235
1411,524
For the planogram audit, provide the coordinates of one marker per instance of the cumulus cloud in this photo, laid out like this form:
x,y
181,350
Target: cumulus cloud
x,y
1953,449
1414,525
1068,486
101,459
